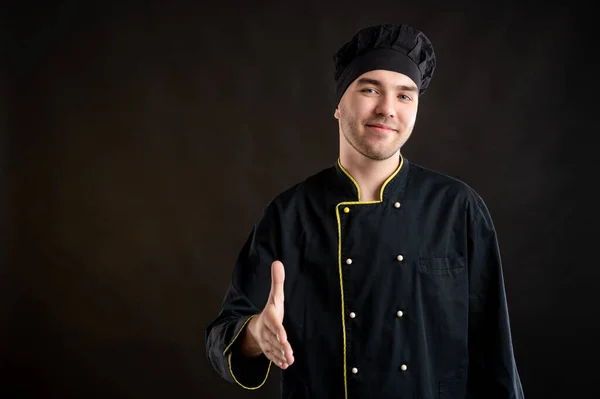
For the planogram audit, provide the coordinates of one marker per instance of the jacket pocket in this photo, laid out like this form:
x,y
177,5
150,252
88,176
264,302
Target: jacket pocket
x,y
442,266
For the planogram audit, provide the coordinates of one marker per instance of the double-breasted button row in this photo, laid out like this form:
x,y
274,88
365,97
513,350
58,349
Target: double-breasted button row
x,y
399,313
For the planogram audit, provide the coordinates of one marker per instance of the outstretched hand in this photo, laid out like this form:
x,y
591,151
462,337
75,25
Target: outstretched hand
x,y
267,328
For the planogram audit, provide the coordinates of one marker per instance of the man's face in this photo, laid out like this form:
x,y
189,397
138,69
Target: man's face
x,y
377,113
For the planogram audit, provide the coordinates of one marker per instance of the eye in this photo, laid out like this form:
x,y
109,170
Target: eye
x,y
369,91
405,97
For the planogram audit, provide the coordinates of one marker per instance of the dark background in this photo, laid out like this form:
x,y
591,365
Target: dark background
x,y
140,141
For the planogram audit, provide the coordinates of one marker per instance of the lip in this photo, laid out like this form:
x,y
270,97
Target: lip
x,y
381,127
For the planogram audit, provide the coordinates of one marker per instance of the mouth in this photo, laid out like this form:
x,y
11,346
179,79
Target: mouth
x,y
380,127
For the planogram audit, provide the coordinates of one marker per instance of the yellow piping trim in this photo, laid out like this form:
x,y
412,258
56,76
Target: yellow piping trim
x,y
238,333
229,360
339,226
242,385
382,186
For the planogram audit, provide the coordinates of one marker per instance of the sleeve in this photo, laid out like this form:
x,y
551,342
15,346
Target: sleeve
x,y
492,367
245,298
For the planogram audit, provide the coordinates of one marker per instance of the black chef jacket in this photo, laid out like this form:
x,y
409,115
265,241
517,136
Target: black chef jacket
x,y
402,297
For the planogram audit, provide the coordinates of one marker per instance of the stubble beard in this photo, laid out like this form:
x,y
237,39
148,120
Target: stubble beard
x,y
350,130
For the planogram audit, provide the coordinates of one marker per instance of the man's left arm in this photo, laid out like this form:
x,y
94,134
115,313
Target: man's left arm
x,y
492,366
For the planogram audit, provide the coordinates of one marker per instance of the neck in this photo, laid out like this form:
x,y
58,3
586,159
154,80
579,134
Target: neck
x,y
369,174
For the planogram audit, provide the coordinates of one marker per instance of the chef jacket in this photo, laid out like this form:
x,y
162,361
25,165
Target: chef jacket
x,y
402,297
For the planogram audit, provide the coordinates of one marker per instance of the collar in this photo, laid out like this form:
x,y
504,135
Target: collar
x,y
390,187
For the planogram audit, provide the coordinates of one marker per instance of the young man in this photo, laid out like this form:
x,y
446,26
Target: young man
x,y
375,278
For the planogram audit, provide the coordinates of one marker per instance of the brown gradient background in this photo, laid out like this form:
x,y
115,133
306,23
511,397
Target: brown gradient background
x,y
139,142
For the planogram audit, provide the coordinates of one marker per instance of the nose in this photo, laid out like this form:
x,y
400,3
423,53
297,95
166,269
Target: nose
x,y
386,106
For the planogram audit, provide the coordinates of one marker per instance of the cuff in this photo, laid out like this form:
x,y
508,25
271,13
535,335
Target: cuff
x,y
249,373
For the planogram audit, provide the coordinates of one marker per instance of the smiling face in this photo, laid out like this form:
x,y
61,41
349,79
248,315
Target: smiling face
x,y
377,113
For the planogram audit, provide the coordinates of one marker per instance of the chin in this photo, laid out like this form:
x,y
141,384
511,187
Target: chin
x,y
378,156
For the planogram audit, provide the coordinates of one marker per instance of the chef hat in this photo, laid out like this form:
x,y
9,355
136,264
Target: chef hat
x,y
398,48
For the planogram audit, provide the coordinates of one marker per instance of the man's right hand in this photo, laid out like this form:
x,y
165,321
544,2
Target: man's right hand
x,y
265,332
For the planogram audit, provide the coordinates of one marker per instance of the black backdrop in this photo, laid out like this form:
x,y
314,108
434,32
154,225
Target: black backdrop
x,y
139,142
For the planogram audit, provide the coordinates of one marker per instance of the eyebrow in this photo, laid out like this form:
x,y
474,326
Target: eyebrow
x,y
375,82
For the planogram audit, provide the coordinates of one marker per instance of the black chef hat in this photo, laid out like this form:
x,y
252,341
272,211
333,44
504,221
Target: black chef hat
x,y
398,48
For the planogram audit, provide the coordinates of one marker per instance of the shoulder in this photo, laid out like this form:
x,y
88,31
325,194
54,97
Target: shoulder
x,y
291,195
314,182
430,182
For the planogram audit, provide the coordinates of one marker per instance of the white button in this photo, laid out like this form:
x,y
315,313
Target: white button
x,y
399,313
348,261
397,205
354,370
403,367
400,258
352,315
